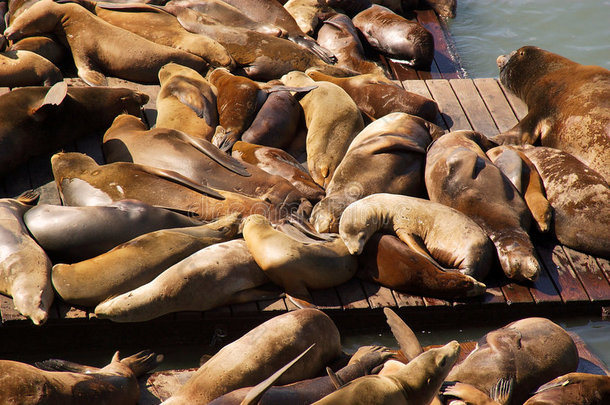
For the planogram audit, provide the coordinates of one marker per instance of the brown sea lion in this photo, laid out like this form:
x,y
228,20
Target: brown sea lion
x,y
257,354
568,105
306,13
38,120
573,388
377,97
580,199
115,383
530,351
44,45
332,120
459,175
71,234
388,156
25,269
25,68
103,48
395,36
186,102
414,384
427,227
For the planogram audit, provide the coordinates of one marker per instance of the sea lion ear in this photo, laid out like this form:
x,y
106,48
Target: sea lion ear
x,y
54,97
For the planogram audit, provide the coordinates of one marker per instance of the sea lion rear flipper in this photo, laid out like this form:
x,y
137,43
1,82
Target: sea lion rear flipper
x,y
301,303
408,342
91,76
182,180
503,390
223,139
334,378
64,365
223,159
257,392
321,52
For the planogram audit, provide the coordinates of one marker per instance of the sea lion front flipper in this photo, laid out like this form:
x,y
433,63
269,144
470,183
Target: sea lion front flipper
x,y
223,139
311,45
211,151
415,242
503,390
334,378
182,180
527,131
64,365
535,196
90,75
257,391
408,342
54,97
29,197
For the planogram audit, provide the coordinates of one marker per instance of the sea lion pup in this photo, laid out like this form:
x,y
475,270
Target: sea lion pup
x,y
136,262
307,14
580,199
225,270
459,175
573,388
415,384
44,45
530,351
393,35
71,234
25,269
25,68
160,27
186,102
39,120
81,181
115,383
281,163
298,265
524,176
257,354
339,36
568,105
128,140
388,156
304,392
427,227
103,49
377,96
332,119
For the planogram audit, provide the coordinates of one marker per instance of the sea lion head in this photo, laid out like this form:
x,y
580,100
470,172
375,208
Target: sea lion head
x,y
41,18
358,222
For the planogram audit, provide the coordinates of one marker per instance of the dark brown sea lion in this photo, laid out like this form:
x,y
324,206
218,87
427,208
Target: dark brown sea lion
x,y
388,156
459,175
114,384
530,351
103,48
257,354
38,120
573,388
377,96
44,46
568,105
395,36
25,68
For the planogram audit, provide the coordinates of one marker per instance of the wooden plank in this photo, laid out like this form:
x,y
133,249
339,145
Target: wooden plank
x,y
496,103
378,296
543,289
407,300
402,72
590,274
436,302
352,295
66,311
419,87
604,264
516,294
451,110
272,305
8,311
326,298
518,106
493,293
474,107
443,57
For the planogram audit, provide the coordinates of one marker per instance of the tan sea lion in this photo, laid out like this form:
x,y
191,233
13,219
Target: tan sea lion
x,y
573,388
44,45
38,120
568,105
530,351
427,227
102,49
377,97
388,156
25,68
257,354
467,394
459,175
186,102
415,384
136,262
306,13
25,269
115,383
332,120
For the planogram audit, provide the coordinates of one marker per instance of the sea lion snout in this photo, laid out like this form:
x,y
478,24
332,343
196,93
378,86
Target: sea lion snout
x,y
502,60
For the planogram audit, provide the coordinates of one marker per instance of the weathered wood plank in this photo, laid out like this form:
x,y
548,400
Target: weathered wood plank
x,y
517,294
474,107
590,274
446,63
378,296
407,300
352,295
436,302
561,272
496,103
518,106
8,311
451,110
326,298
419,87
272,305
66,311
402,72
543,289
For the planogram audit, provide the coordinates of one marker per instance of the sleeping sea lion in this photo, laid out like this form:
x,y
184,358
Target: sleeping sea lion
x,y
25,68
573,388
44,45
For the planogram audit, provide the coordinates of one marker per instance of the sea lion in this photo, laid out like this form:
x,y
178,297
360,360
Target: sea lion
x,y
38,120
115,383
425,226
530,351
102,49
573,388
25,68
278,162
393,35
257,354
459,174
580,199
332,120
415,384
298,265
467,394
44,45
568,105
25,269
306,13
71,234
388,156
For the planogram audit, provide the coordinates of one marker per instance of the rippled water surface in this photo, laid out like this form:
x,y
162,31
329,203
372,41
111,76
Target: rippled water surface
x,y
576,29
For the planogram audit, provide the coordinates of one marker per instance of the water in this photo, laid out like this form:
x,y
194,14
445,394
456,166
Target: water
x,y
576,29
